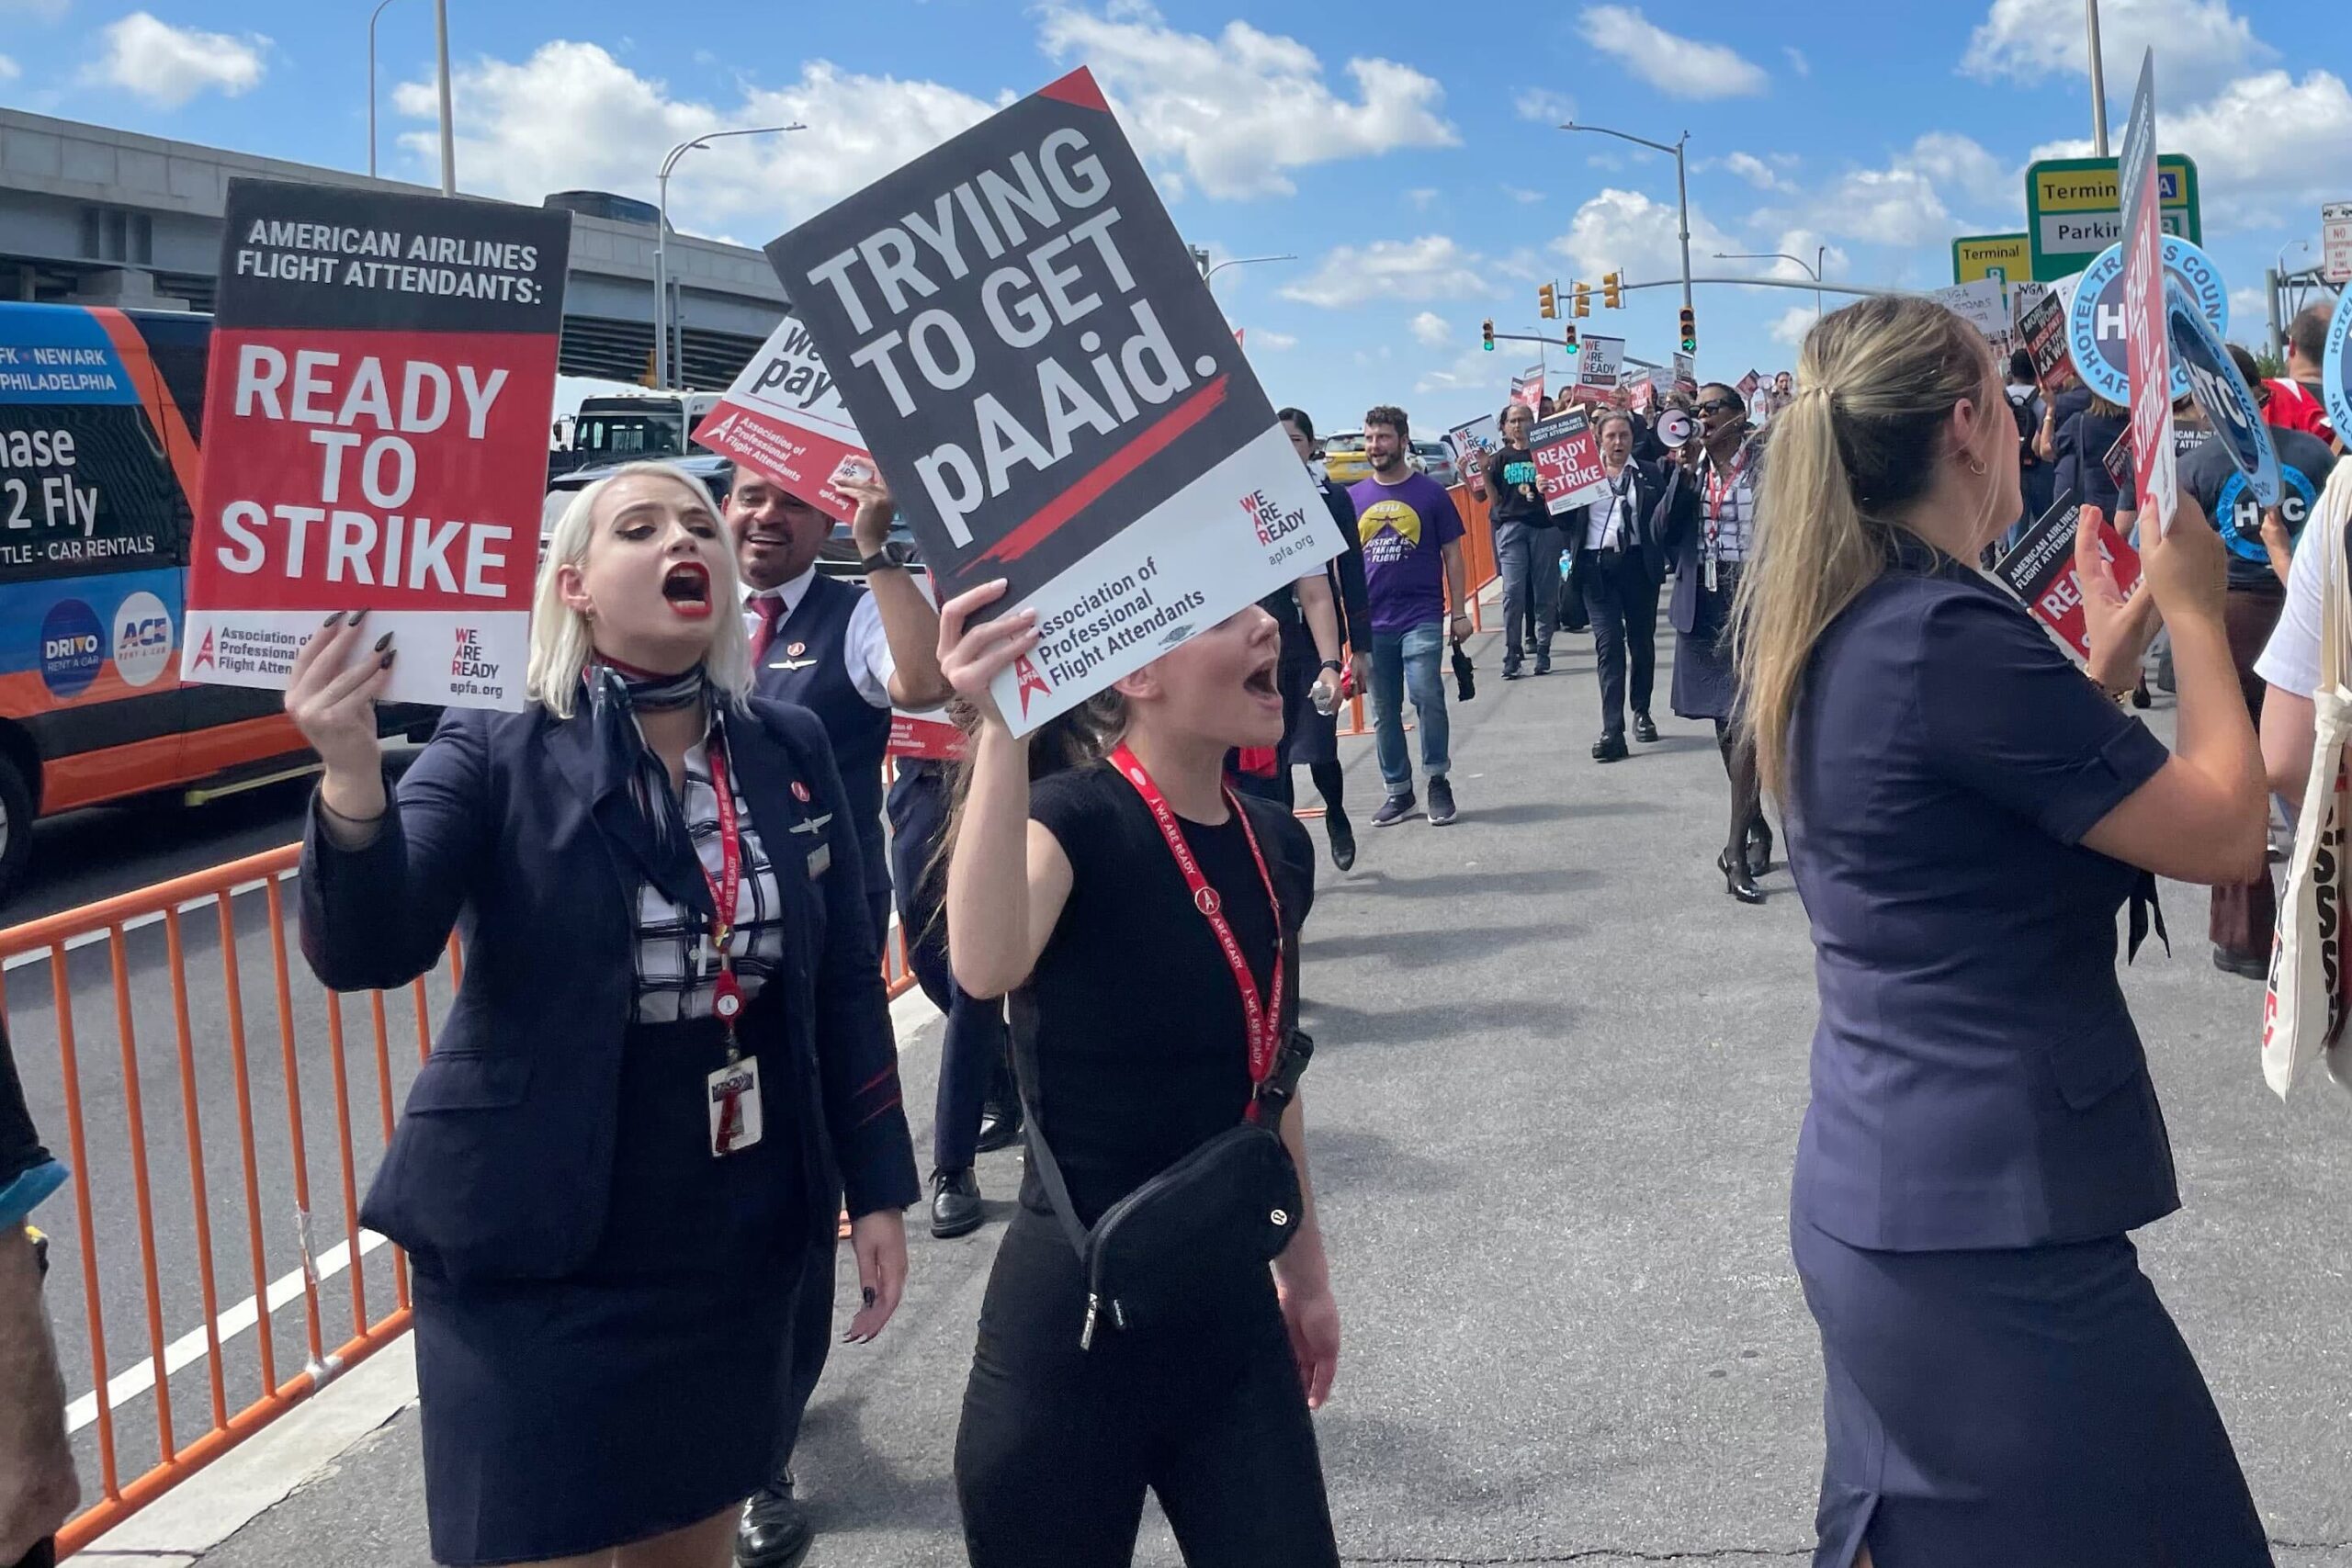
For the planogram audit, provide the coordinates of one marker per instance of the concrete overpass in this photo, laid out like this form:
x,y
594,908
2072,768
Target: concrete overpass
x,y
94,216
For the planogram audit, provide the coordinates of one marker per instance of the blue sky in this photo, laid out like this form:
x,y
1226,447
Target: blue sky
x,y
1405,153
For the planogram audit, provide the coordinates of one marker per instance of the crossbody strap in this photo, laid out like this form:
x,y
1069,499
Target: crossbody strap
x,y
1021,1017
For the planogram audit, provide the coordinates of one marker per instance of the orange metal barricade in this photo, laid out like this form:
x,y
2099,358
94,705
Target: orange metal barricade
x,y
119,1197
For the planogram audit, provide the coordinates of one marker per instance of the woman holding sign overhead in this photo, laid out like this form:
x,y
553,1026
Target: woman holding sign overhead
x,y
1967,815
1145,918
670,1029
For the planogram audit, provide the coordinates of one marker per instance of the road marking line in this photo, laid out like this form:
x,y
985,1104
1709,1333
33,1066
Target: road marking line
x,y
191,1348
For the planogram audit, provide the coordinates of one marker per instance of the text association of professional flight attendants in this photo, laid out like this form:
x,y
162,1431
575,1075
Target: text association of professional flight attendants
x,y
668,1062
2004,1384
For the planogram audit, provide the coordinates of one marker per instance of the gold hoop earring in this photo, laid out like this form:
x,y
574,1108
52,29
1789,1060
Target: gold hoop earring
x,y
1976,466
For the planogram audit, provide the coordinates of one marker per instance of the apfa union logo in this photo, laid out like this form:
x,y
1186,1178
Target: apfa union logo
x,y
72,647
1031,680
1270,520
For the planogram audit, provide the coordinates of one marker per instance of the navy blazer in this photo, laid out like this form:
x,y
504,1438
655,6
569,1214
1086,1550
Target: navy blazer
x,y
1977,1081
1681,509
510,826
1655,515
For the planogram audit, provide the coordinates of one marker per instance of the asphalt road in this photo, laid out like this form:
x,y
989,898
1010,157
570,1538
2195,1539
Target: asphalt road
x,y
1551,1122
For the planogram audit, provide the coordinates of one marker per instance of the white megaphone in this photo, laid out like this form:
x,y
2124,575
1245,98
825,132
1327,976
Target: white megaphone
x,y
1675,426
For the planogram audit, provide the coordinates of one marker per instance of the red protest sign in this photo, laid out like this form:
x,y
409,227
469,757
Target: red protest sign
x,y
2040,570
784,420
375,435
926,736
1567,461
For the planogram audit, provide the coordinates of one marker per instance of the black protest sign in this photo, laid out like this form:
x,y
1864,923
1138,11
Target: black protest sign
x,y
1024,338
2044,329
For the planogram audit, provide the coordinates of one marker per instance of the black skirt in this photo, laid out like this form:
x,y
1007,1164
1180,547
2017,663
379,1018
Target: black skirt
x,y
1308,736
1706,682
648,1391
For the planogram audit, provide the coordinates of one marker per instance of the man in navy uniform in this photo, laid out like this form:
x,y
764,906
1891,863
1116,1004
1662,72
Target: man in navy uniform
x,y
848,655
37,1485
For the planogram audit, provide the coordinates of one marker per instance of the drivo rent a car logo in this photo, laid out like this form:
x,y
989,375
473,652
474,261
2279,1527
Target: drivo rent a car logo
x,y
72,647
143,639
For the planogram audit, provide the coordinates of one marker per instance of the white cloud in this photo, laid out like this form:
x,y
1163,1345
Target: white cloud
x,y
1544,107
9,70
2247,172
1797,61
167,66
1474,370
1912,201
1420,197
1956,162
1794,324
573,116
1679,67
1275,341
1430,330
1430,268
1524,197
1754,170
1626,232
2198,44
40,11
1239,109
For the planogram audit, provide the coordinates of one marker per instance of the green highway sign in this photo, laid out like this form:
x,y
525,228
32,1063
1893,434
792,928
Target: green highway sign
x,y
2073,209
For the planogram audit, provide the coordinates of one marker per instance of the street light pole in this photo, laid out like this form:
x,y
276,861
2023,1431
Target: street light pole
x,y
1813,272
1210,273
1681,186
449,124
371,85
2098,80
662,357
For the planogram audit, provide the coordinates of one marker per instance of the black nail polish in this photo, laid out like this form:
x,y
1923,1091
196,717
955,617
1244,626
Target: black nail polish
x,y
357,617
383,642
386,662
333,621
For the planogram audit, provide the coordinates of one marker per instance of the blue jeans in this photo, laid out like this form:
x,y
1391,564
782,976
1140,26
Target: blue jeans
x,y
1402,661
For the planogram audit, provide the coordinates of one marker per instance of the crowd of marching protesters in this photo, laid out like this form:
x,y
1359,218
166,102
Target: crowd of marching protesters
x,y
670,1066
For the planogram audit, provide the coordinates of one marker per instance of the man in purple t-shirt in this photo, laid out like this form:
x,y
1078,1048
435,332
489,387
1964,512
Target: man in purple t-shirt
x,y
1413,577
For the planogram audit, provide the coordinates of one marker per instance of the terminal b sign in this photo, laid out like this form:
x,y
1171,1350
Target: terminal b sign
x,y
2074,208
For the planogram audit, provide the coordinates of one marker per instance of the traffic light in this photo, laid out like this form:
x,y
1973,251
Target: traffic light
x,y
1547,301
1689,329
1489,344
1570,341
1610,293
1584,299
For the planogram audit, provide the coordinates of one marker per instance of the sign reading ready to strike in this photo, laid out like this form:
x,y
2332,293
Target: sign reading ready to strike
x,y
1030,351
375,435
1567,461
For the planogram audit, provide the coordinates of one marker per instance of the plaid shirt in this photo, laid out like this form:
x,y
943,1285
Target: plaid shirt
x,y
1728,515
676,972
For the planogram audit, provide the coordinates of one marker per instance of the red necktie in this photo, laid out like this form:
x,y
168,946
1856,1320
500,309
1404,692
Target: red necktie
x,y
770,609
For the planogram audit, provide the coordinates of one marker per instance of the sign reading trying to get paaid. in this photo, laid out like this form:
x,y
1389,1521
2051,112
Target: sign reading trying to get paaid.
x,y
1028,350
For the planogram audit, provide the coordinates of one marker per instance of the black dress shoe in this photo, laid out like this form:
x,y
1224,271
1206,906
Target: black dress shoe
x,y
1343,838
1609,748
954,1204
1644,731
2245,967
1000,1128
1738,882
776,1532
1759,847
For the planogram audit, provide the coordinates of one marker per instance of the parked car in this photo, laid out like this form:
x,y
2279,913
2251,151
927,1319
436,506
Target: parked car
x,y
1435,458
1343,458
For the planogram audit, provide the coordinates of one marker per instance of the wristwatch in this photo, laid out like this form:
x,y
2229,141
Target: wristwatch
x,y
891,557
1333,665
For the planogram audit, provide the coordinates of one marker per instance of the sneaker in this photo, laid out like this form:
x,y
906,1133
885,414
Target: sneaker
x,y
1544,663
1343,839
1440,802
1510,671
954,1204
1393,810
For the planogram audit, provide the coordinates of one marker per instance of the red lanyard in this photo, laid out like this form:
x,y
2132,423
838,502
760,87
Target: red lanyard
x,y
1264,1016
726,1003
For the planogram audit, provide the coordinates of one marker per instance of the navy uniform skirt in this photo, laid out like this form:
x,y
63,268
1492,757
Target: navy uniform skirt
x,y
1706,683
648,1391
2029,1408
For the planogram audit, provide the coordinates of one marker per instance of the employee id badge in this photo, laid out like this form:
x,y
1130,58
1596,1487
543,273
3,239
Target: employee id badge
x,y
1711,574
736,1123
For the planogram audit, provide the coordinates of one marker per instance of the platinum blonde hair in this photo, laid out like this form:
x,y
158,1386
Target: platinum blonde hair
x,y
562,640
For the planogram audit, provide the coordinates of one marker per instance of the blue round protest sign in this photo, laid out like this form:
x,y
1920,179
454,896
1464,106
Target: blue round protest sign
x,y
2096,330
2336,372
2230,407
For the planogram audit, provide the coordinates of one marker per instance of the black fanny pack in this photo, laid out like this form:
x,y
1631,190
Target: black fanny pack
x,y
1232,1204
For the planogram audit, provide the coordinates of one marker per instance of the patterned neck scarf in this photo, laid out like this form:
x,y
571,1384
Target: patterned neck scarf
x,y
618,693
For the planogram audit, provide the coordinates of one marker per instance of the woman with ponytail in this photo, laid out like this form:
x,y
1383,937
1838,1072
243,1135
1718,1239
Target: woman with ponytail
x,y
1967,813
669,1063
1143,916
